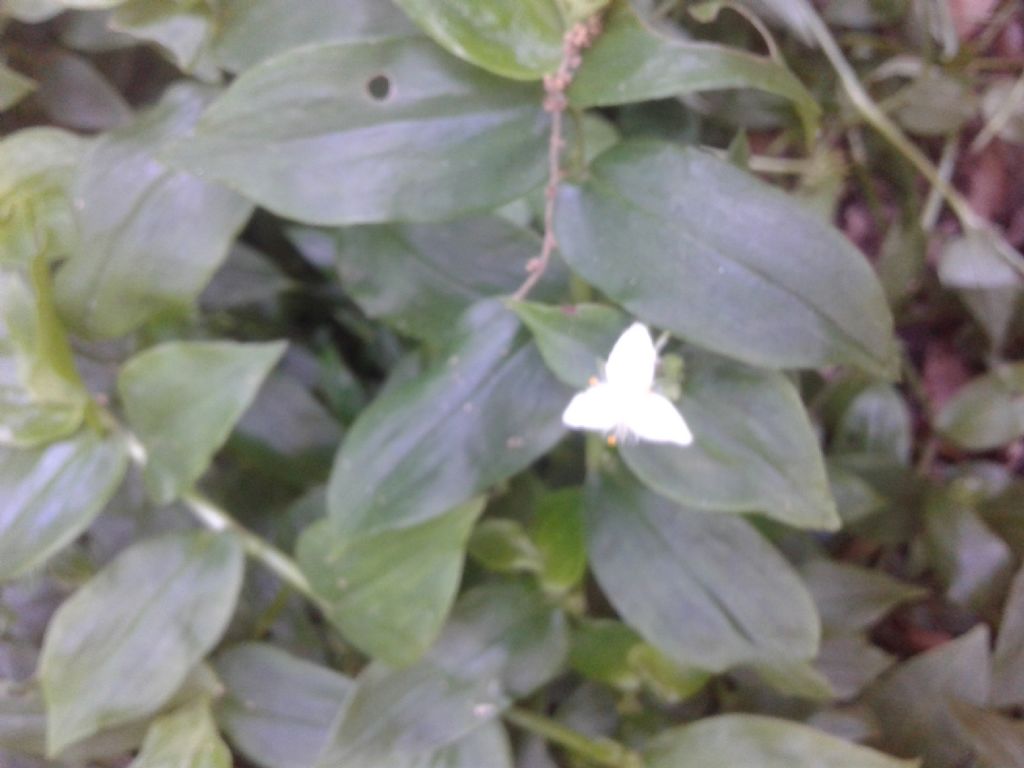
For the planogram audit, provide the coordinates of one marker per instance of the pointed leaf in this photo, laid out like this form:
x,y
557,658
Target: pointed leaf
x,y
186,738
723,260
850,598
135,259
734,740
390,592
482,413
706,590
52,494
184,398
123,644
1008,660
410,133
988,412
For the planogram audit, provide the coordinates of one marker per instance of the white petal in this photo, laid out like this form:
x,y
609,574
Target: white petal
x,y
631,362
599,408
653,417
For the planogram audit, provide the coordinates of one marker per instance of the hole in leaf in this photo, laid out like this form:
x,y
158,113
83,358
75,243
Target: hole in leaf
x,y
379,87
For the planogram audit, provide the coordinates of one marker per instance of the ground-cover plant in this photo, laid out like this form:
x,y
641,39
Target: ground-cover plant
x,y
294,295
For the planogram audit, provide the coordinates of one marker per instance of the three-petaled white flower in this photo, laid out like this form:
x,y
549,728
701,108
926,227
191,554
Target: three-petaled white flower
x,y
624,405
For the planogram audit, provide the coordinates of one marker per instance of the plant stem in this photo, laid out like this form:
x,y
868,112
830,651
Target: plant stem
x,y
604,752
217,519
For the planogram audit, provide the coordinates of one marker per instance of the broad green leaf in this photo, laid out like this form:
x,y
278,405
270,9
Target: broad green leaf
x,y
574,340
632,62
184,398
796,679
389,592
935,104
855,498
186,738
135,258
998,740
600,651
52,494
13,87
972,562
278,710
876,421
1008,659
253,30
420,277
723,260
521,40
31,11
706,590
559,536
123,644
729,741
410,133
913,703
37,166
850,663
74,92
486,410
754,448
502,642
850,598
988,412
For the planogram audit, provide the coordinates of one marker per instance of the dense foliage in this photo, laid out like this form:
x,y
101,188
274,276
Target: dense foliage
x,y
294,293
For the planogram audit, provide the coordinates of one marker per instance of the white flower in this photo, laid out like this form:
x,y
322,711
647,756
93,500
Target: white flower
x,y
625,405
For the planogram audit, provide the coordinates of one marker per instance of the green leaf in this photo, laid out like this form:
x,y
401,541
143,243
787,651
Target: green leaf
x,y
420,277
913,703
409,133
574,340
253,30
51,495
876,421
748,740
37,166
723,260
850,663
754,448
521,40
559,536
988,412
389,592
122,645
13,87
501,642
186,738
486,410
987,282
183,30
503,545
632,62
969,559
1008,659
600,651
707,590
182,399
135,258
278,710
850,598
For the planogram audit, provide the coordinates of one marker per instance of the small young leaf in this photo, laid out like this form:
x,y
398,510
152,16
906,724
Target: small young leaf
x,y
988,412
278,710
521,40
186,738
123,644
184,398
